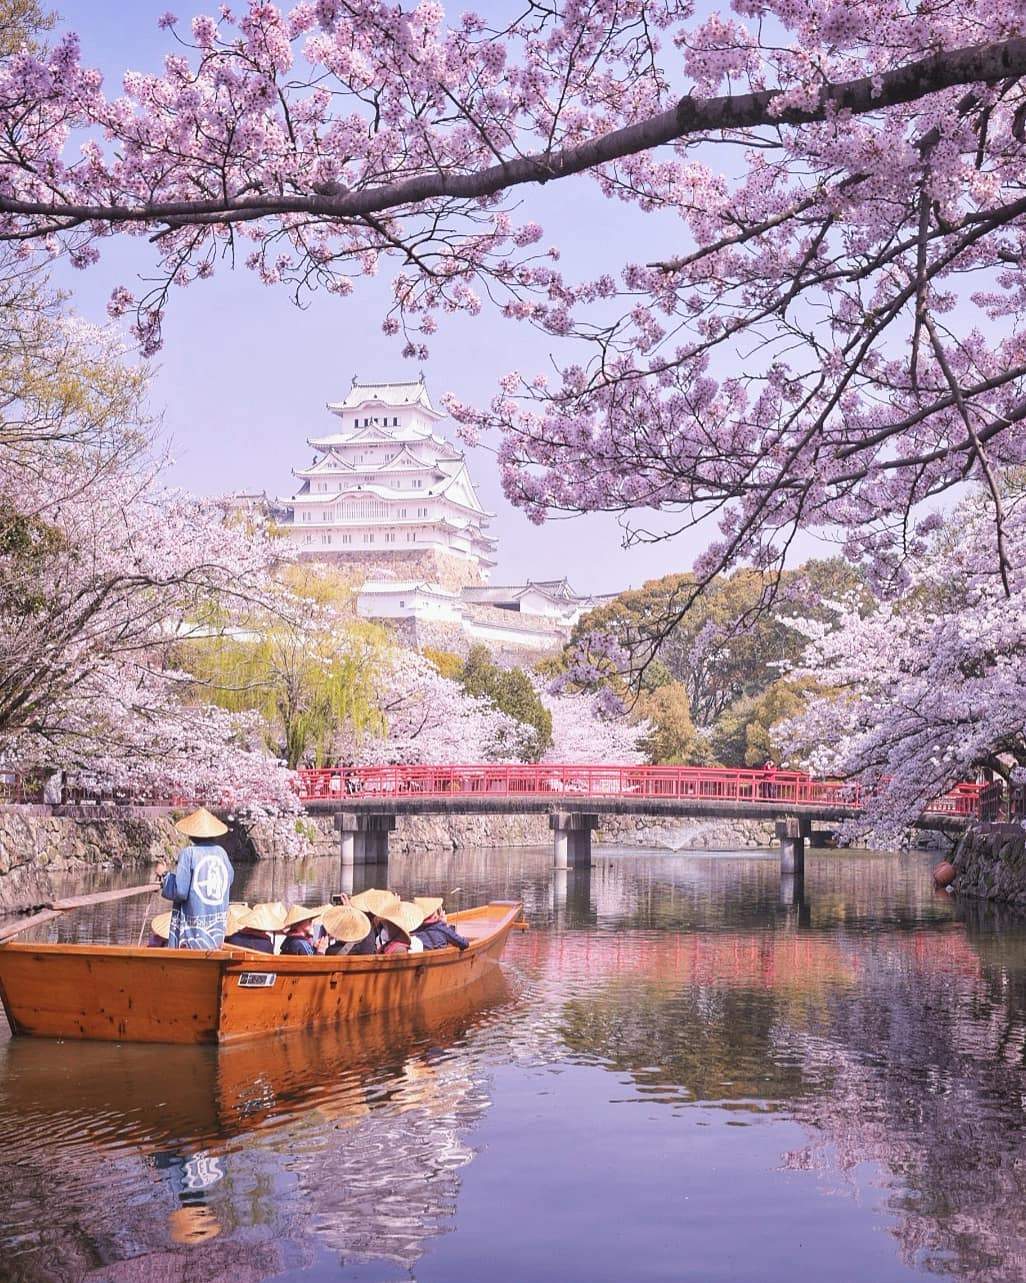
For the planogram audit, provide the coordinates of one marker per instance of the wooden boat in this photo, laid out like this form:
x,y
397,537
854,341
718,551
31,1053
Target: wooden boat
x,y
119,1094
121,994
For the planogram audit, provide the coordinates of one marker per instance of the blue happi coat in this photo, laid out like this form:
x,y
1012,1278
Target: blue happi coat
x,y
199,888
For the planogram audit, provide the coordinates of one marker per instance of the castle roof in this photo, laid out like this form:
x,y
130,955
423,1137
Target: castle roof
x,y
408,393
554,589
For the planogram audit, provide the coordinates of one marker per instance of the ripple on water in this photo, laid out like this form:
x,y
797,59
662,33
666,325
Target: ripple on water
x,y
874,1035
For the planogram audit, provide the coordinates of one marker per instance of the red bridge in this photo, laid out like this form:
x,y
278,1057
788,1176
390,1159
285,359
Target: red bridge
x,y
366,800
675,789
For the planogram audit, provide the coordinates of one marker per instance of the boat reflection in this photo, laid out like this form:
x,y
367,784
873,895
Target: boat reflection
x,y
347,1139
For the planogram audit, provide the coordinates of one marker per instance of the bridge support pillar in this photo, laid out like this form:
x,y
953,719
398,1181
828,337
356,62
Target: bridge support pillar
x,y
571,839
791,833
363,838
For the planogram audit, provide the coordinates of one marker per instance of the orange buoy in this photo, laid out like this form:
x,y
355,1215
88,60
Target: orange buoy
x,y
944,874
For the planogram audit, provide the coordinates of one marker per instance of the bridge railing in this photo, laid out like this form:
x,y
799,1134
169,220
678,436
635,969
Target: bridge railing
x,y
567,781
699,783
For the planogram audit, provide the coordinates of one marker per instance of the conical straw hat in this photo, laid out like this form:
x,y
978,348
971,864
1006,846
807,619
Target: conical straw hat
x,y
406,916
265,917
300,913
161,925
428,904
237,915
343,922
375,901
201,824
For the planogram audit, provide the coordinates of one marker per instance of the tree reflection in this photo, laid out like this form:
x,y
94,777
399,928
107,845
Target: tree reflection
x,y
903,1048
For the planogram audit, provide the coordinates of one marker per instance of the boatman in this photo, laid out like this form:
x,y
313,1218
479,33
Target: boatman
x,y
199,885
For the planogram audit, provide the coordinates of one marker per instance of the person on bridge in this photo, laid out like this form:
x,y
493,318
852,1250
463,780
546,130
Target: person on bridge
x,y
199,885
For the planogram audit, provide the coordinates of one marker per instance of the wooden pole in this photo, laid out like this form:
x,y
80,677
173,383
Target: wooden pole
x,y
54,908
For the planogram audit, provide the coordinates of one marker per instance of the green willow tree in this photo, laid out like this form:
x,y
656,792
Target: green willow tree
x,y
309,668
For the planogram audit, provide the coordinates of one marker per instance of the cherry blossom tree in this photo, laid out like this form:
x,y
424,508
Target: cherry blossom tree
x,y
834,341
928,687
102,572
428,718
584,729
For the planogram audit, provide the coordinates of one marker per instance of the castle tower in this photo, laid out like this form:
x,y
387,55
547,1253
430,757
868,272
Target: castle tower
x,y
386,491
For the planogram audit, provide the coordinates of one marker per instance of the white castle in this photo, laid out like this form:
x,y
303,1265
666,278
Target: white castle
x,y
386,482
389,495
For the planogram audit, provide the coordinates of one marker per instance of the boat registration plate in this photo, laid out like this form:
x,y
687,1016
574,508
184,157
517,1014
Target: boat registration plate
x,y
257,979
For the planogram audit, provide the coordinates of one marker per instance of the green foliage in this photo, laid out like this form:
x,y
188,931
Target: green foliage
x,y
26,544
512,692
707,670
20,22
731,641
748,733
674,737
446,662
307,680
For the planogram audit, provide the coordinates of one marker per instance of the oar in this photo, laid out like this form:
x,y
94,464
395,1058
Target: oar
x,y
146,917
54,908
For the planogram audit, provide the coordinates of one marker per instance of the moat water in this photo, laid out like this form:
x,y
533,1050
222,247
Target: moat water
x,y
677,1074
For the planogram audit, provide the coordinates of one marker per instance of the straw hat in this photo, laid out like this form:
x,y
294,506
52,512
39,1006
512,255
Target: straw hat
x,y
375,901
406,916
265,917
237,915
161,925
193,1224
343,922
429,904
300,913
201,824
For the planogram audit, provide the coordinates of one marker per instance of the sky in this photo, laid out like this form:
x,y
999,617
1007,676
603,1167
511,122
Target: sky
x,y
244,374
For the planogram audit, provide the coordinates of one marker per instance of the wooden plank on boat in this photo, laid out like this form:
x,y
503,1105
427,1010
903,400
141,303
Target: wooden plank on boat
x,y
33,920
102,897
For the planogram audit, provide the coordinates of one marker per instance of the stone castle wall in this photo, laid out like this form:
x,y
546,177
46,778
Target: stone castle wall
x,y
437,635
37,847
428,565
671,834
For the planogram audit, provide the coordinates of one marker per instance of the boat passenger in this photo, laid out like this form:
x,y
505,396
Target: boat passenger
x,y
434,931
160,929
374,901
199,885
349,931
299,938
397,927
237,915
257,928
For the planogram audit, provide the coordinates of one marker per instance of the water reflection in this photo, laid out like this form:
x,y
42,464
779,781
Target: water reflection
x,y
679,1042
354,1136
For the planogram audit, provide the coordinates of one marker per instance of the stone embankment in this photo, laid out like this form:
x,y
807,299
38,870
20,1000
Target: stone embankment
x,y
990,862
36,845
671,834
39,844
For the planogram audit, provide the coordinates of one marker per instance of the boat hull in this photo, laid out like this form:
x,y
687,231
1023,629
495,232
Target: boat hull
x,y
120,994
